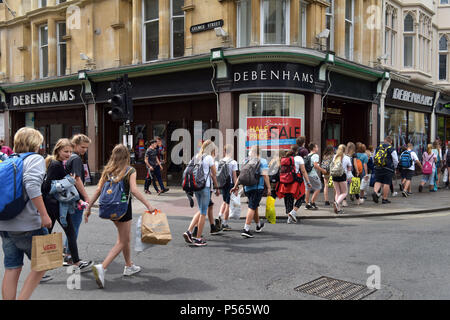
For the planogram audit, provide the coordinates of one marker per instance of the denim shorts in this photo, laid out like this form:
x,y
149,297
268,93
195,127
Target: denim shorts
x,y
203,199
226,194
254,198
16,244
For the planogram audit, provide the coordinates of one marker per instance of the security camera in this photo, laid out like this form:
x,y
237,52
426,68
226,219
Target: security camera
x,y
324,34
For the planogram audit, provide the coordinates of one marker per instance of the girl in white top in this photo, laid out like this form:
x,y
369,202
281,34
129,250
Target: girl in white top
x,y
340,183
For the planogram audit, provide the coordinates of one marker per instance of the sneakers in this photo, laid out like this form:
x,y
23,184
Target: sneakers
x,y
67,261
187,237
293,216
309,206
218,223
375,197
327,203
165,190
128,271
340,211
404,193
99,274
401,187
226,227
215,230
394,194
314,206
199,242
385,201
335,207
259,229
289,220
247,234
46,278
361,201
84,266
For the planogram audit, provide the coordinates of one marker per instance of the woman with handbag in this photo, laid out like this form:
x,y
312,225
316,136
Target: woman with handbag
x,y
118,169
428,168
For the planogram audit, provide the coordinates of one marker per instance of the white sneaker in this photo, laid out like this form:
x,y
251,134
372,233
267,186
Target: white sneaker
x,y
128,271
289,220
99,274
361,201
394,194
293,216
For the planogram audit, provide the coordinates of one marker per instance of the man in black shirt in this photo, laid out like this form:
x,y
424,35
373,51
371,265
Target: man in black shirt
x,y
155,166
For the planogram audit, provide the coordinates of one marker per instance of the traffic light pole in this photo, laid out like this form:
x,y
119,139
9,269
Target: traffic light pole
x,y
129,140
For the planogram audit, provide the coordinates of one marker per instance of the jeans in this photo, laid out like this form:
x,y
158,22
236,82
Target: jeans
x,y
77,218
148,181
69,230
157,176
203,197
16,244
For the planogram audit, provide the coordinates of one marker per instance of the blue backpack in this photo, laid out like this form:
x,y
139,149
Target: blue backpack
x,y
113,202
12,200
406,160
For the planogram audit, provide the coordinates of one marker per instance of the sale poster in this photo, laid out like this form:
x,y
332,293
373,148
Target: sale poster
x,y
273,132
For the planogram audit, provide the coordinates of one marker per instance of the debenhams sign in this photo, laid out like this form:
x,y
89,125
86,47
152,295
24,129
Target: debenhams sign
x,y
48,97
412,97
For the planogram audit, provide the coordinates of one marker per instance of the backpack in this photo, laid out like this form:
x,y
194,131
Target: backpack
x,y
406,159
12,201
223,174
308,164
428,166
274,172
336,168
194,178
325,164
287,170
359,166
380,159
249,175
113,202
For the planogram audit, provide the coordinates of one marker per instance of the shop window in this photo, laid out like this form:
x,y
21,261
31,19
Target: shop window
x,y
443,53
444,1
418,128
349,33
275,22
395,125
441,127
61,1
42,3
62,48
273,120
329,13
244,23
151,30
43,51
177,27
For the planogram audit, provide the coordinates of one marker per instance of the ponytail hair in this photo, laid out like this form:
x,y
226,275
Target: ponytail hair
x,y
60,144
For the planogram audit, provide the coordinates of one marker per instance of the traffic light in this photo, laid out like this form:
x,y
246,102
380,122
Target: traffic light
x,y
121,101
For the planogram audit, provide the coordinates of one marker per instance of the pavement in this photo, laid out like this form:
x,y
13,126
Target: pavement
x,y
175,203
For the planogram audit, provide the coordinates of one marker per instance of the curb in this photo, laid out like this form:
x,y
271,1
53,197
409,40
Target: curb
x,y
347,216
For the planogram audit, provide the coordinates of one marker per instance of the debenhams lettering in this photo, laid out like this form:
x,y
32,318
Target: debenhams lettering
x,y
273,75
44,97
413,97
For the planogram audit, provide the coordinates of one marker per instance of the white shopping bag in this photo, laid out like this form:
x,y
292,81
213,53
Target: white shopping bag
x,y
445,178
139,246
235,206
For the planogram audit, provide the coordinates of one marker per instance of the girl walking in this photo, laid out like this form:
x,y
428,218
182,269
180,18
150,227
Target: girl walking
x,y
327,157
428,168
118,168
339,168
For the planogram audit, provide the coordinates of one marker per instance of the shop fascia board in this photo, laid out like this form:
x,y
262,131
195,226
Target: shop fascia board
x,y
154,68
355,71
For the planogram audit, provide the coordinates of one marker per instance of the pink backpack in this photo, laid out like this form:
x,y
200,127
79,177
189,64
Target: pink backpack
x,y
428,166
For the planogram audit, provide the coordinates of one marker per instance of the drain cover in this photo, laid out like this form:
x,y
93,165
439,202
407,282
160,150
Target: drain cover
x,y
333,289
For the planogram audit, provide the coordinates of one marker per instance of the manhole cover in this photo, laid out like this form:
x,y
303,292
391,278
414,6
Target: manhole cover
x,y
333,289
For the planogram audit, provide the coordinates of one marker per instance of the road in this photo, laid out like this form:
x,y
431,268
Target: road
x,y
411,251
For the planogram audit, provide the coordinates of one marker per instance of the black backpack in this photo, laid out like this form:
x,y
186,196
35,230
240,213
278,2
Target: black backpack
x,y
223,174
249,175
194,178
308,163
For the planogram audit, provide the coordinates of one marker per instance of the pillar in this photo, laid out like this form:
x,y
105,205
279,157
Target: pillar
x,y
188,22
315,120
34,52
256,25
295,24
373,139
92,132
358,31
339,28
226,115
164,30
137,32
52,52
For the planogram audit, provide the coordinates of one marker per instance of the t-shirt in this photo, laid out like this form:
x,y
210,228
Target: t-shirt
x,y
298,161
263,170
232,166
207,163
151,154
75,166
364,159
314,158
347,165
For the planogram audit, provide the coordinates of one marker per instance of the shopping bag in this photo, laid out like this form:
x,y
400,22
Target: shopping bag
x,y
140,246
330,182
355,186
271,215
365,184
445,178
47,252
155,228
235,206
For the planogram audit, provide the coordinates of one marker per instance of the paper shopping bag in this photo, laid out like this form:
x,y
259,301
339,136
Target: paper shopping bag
x,y
155,228
47,252
271,215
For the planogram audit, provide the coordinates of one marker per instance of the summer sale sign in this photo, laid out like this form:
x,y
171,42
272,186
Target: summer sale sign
x,y
273,132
